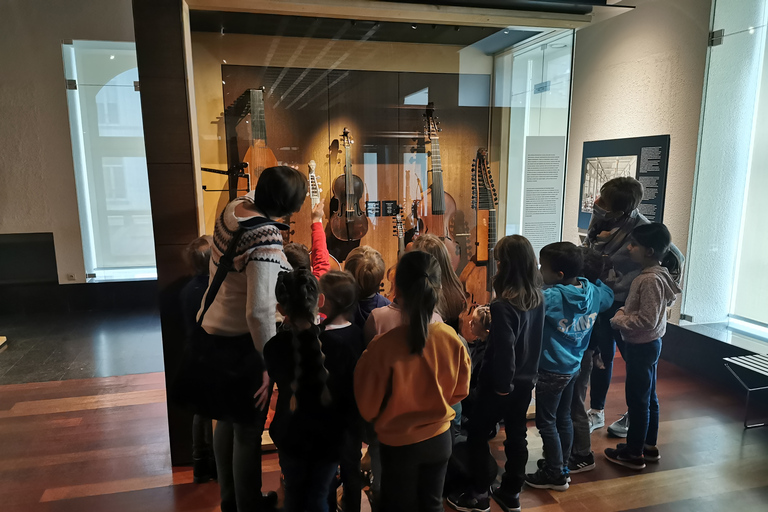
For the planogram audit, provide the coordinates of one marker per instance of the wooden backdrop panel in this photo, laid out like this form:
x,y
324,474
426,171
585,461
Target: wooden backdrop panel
x,y
307,109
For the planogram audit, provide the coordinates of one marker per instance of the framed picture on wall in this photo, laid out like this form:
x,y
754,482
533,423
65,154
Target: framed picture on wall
x,y
643,158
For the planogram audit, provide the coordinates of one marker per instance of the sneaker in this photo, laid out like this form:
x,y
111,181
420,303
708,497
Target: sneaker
x,y
541,479
465,502
506,501
542,464
650,453
596,419
621,456
620,427
202,470
581,463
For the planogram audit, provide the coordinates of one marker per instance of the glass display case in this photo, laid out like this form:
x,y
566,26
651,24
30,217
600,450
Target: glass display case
x,y
437,120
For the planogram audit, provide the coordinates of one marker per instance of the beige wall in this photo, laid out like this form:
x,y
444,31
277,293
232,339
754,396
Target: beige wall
x,y
37,182
640,74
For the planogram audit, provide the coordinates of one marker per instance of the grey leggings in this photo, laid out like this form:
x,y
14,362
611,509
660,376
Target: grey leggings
x,y
238,462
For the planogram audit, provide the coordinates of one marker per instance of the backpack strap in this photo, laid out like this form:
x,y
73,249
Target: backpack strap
x,y
227,260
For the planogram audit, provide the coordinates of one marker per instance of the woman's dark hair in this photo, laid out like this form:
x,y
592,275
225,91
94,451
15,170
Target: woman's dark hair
x,y
453,300
297,293
418,288
340,290
297,255
517,280
280,191
563,257
653,236
198,254
367,266
622,194
594,264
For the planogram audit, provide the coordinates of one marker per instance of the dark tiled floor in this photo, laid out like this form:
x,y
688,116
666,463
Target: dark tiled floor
x,y
79,346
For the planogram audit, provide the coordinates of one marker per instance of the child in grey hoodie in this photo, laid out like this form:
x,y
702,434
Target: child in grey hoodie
x,y
642,322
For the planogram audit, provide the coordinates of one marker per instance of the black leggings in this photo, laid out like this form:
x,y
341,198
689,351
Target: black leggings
x,y
412,476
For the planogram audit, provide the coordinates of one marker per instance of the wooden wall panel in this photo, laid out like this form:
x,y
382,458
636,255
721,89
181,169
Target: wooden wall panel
x,y
371,105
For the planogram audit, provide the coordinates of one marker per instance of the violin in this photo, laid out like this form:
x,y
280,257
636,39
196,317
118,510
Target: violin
x,y
348,221
477,276
436,211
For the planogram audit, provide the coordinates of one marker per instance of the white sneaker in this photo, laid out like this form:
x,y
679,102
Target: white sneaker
x,y
596,419
620,427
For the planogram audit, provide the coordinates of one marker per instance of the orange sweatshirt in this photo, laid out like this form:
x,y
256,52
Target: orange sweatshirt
x,y
408,396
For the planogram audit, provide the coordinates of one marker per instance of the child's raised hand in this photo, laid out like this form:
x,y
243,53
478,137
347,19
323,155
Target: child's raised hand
x,y
317,212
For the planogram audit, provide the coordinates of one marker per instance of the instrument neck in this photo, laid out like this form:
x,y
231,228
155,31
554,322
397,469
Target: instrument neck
x,y
438,196
348,177
260,123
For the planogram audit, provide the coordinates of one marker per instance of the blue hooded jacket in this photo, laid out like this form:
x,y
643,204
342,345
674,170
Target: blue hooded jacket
x,y
570,314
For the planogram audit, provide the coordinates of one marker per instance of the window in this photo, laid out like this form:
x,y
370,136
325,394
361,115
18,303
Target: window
x,y
110,167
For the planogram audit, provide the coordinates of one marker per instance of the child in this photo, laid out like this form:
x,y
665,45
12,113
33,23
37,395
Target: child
x,y
509,370
571,306
452,297
582,459
367,267
318,259
343,342
198,255
406,382
642,322
311,407
479,324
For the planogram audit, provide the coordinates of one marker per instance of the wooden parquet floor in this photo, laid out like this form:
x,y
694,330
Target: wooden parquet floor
x,y
101,445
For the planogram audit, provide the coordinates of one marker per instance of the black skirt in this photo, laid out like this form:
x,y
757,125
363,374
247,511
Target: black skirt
x,y
218,377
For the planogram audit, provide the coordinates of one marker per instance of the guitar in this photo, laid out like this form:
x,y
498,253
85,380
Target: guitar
x,y
349,222
478,274
438,207
258,156
314,198
399,232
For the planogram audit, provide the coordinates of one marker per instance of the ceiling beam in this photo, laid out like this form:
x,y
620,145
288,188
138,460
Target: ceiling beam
x,y
396,12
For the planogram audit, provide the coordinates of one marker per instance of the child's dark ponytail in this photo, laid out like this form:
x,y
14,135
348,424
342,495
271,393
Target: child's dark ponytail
x,y
297,293
418,283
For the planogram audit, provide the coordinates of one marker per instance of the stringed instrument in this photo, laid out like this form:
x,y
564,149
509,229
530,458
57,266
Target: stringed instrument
x,y
399,232
477,276
314,199
349,221
438,207
258,156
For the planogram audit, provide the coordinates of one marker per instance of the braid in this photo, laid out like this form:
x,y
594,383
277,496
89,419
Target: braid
x,y
297,292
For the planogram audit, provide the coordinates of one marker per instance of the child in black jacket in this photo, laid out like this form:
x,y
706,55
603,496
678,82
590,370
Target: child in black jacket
x,y
509,371
313,402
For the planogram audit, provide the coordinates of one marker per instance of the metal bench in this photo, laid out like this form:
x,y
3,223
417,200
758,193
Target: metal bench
x,y
757,363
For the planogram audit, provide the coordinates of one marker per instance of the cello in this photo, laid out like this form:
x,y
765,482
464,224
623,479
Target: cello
x,y
477,276
438,207
348,221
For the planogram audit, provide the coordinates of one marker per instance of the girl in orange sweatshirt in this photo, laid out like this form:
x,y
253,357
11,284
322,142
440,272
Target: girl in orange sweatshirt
x,y
405,383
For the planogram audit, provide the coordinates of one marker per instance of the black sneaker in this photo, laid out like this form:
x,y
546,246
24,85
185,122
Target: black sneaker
x,y
581,463
202,471
543,480
542,464
622,457
650,453
508,502
465,502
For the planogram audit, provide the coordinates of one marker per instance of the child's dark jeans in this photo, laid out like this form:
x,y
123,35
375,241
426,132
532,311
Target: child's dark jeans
x,y
554,394
489,409
582,444
642,361
306,483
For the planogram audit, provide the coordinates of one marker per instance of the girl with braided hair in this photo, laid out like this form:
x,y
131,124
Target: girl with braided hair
x,y
308,426
405,383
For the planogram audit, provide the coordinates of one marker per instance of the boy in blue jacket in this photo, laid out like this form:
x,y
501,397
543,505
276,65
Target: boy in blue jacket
x,y
572,304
